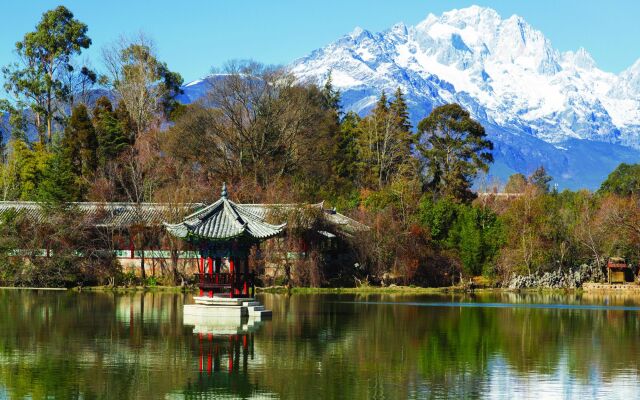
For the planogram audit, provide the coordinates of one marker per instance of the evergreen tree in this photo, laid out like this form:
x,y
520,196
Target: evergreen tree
x,y
478,236
455,149
172,82
80,145
382,105
346,160
400,112
29,165
110,132
540,179
623,181
331,97
58,184
385,144
17,120
126,123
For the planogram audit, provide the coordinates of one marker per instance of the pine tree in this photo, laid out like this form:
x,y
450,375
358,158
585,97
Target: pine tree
x,y
346,160
80,145
331,96
58,184
455,149
400,112
385,143
540,179
382,105
126,123
112,139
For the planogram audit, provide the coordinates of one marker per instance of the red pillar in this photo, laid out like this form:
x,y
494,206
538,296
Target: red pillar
x,y
201,271
210,266
233,279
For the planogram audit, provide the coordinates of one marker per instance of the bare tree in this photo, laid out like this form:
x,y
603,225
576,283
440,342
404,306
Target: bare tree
x,y
267,125
136,78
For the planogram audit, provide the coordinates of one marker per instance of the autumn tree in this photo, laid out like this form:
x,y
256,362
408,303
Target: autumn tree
x,y
44,57
517,183
455,149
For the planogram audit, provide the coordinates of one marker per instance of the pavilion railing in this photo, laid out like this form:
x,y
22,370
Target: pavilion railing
x,y
239,283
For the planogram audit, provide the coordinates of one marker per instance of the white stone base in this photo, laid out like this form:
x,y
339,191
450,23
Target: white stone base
x,y
215,310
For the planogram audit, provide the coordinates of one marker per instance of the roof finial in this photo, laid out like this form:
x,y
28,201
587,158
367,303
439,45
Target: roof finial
x,y
224,190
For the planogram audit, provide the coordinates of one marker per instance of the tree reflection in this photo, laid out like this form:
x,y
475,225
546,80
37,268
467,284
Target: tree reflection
x,y
110,345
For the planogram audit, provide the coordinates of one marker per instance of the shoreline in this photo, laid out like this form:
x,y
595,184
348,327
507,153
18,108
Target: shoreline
x,y
628,289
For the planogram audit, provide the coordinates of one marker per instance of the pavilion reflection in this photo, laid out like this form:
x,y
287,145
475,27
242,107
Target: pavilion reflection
x,y
224,345
225,349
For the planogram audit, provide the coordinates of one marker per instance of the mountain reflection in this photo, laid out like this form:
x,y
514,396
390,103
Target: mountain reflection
x,y
110,345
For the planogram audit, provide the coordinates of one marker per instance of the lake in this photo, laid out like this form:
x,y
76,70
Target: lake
x,y
99,345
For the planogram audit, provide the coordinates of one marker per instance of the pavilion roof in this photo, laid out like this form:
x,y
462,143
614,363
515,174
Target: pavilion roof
x,y
225,220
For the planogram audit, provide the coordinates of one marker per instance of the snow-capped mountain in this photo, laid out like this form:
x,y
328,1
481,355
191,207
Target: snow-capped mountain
x,y
539,105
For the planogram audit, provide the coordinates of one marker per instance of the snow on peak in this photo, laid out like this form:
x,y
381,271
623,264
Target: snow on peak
x,y
358,32
399,29
580,59
503,70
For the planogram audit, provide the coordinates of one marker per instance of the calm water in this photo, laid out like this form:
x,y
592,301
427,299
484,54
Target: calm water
x,y
134,346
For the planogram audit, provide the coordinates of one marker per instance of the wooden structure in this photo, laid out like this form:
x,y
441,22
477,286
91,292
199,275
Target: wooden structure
x,y
224,233
618,271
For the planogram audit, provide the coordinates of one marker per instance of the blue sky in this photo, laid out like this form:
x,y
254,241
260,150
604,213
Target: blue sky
x,y
194,35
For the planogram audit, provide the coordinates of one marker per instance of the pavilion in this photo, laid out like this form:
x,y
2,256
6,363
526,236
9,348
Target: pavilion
x,y
223,231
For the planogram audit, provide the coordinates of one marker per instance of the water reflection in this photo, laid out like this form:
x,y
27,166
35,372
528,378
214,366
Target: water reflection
x,y
225,348
109,345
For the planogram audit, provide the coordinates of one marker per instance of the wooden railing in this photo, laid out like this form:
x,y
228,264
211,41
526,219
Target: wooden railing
x,y
239,284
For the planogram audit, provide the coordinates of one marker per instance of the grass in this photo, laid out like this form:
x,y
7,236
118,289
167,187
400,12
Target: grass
x,y
361,289
124,289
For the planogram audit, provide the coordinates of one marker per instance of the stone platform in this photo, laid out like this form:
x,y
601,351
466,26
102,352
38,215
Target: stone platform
x,y
219,306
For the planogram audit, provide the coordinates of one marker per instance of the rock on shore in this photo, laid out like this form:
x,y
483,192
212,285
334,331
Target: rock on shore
x,y
557,279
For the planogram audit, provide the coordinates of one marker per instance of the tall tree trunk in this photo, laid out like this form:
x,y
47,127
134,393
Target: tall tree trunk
x,y
143,274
